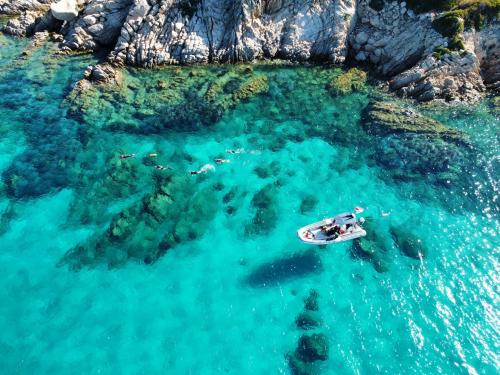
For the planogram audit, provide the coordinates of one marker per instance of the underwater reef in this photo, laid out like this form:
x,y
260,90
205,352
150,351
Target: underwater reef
x,y
384,117
183,100
312,349
173,213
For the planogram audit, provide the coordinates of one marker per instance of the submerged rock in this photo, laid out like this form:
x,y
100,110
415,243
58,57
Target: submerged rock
x,y
383,118
311,302
145,231
409,244
410,156
183,100
266,216
346,83
307,320
372,247
312,348
299,367
308,203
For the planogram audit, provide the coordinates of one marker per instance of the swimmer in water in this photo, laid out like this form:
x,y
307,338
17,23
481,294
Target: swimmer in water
x,y
153,155
126,156
204,169
162,168
222,161
384,214
238,151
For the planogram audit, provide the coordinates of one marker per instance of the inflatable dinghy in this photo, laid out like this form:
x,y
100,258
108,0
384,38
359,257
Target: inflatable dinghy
x,y
343,227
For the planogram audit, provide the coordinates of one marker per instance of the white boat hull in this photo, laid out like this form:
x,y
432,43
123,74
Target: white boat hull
x,y
313,234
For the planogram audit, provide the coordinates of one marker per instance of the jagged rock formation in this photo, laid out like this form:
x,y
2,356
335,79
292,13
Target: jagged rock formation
x,y
455,76
486,46
17,7
393,39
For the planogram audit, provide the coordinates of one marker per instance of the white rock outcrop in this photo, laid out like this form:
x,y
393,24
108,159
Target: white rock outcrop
x,y
64,10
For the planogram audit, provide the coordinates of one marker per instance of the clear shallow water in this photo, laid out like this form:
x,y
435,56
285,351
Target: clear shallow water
x,y
226,301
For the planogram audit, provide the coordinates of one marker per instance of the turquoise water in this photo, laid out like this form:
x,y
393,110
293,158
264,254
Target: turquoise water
x,y
223,297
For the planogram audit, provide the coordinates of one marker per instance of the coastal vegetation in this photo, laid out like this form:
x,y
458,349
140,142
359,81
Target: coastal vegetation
x,y
466,14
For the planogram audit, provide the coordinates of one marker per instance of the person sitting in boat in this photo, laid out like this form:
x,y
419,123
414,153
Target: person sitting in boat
x,y
332,231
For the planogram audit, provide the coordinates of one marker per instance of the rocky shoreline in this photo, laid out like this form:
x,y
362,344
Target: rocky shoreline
x,y
397,41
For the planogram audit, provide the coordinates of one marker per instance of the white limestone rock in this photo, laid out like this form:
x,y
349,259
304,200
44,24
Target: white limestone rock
x,y
64,10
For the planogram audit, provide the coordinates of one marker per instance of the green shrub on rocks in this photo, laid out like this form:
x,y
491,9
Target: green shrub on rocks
x,y
440,52
421,6
351,81
476,12
449,24
464,14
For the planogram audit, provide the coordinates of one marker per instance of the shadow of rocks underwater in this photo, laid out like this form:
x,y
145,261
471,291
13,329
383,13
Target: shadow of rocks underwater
x,y
282,270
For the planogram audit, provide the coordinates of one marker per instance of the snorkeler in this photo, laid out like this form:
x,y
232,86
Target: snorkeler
x,y
204,169
162,168
237,151
222,161
126,156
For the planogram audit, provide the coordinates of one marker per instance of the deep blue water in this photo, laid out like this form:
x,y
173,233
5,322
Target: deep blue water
x,y
111,266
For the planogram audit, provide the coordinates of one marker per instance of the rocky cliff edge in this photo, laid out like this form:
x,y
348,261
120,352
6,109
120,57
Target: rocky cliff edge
x,y
400,41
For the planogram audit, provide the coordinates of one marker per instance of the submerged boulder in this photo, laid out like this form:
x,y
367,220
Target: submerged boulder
x,y
299,367
313,348
311,302
414,155
266,216
348,82
308,203
384,118
307,320
372,247
409,243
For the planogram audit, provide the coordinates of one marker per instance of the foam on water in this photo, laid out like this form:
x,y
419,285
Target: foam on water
x,y
226,302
